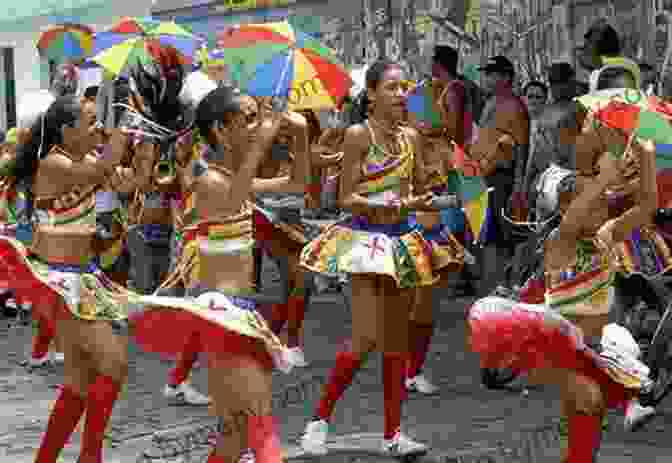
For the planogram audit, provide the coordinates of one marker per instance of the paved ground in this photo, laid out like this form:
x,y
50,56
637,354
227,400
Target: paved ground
x,y
463,418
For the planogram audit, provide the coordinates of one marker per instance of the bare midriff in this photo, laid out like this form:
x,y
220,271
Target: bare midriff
x,y
225,240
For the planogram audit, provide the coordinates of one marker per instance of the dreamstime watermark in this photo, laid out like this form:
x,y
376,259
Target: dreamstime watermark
x,y
167,446
299,92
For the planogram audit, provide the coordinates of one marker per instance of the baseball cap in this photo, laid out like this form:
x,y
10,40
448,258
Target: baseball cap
x,y
498,64
560,73
447,57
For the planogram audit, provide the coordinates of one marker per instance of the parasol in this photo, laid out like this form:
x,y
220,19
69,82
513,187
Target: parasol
x,y
66,41
277,60
126,42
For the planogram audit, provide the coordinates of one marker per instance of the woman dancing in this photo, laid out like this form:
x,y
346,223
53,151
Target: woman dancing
x,y
382,250
65,83
295,125
58,270
241,349
553,341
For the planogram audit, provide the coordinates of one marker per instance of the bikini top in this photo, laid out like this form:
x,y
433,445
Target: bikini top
x,y
384,172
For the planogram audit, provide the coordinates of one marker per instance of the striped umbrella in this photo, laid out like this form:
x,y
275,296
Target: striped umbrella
x,y
277,60
66,41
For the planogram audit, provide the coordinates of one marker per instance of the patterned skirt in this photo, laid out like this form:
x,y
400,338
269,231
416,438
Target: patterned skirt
x,y
226,326
399,251
527,337
85,291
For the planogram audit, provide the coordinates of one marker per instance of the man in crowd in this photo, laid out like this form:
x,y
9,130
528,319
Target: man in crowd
x,y
501,149
555,130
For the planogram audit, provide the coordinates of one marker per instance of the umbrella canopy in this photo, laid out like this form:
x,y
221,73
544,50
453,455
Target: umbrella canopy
x,y
276,60
126,42
646,117
635,113
66,41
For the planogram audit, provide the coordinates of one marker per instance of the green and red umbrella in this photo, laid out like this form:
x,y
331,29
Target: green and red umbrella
x,y
645,117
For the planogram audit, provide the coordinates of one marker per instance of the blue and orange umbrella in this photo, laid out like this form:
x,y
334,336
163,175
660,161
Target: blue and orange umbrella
x,y
66,42
277,60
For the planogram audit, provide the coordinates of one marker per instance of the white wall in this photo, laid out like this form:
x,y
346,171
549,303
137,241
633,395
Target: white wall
x,y
29,71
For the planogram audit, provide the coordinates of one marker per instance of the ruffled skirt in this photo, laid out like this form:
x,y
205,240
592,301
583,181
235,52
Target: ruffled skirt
x,y
526,337
85,291
225,325
398,251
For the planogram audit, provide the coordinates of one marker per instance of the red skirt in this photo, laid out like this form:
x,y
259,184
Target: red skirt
x,y
167,332
47,304
508,335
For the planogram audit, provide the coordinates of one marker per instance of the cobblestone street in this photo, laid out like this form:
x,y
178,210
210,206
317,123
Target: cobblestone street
x,y
464,419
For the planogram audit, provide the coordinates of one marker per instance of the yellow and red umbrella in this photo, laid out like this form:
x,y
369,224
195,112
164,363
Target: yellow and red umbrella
x,y
127,43
66,41
277,60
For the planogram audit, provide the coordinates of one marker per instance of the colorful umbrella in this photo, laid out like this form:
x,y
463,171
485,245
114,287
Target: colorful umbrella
x,y
635,113
276,60
420,104
647,117
125,43
66,41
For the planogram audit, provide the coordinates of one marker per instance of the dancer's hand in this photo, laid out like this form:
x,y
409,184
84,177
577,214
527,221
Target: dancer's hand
x,y
421,202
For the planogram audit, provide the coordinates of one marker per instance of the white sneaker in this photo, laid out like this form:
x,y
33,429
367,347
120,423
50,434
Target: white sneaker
x,y
247,457
637,416
314,438
57,357
297,357
185,394
401,445
422,385
39,363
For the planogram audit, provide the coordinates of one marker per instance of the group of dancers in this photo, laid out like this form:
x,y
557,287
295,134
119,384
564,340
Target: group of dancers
x,y
204,164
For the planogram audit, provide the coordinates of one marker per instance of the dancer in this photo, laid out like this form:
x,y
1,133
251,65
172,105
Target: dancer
x,y
382,250
580,259
279,232
58,272
241,349
445,229
65,82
